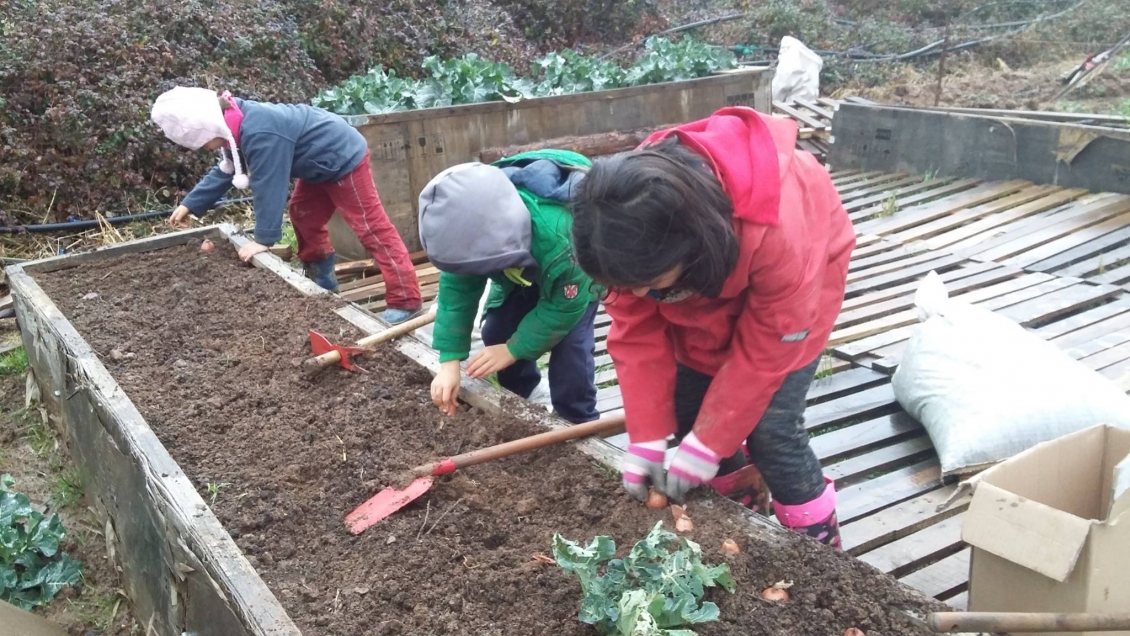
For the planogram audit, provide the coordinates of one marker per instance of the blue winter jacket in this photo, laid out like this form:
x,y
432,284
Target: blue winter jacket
x,y
280,142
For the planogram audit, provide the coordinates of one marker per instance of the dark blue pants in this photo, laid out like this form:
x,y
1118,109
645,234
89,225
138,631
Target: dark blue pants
x,y
571,386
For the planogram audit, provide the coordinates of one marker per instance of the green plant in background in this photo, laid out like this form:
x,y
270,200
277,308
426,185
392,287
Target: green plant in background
x,y
14,362
570,72
471,79
32,570
666,61
653,591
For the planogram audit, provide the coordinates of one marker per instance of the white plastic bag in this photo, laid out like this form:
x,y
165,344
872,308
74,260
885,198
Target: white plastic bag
x,y
985,389
798,72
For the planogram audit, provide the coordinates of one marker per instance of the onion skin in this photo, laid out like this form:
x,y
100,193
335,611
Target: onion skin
x,y
775,594
656,500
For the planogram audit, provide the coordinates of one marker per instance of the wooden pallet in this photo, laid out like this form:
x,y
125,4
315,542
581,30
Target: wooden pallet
x,y
1055,260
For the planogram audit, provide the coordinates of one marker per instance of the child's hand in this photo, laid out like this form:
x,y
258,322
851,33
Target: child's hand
x,y
180,217
248,252
445,387
490,360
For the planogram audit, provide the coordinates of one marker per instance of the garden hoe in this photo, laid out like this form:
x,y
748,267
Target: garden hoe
x,y
391,499
1021,622
328,354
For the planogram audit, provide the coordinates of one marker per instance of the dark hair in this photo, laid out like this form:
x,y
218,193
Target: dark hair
x,y
640,214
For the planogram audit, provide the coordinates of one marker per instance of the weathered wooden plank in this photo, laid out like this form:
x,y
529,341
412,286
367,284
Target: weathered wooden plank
x,y
839,444
1095,337
866,403
1069,242
819,110
1109,356
1118,373
1039,230
896,274
961,217
985,228
900,194
959,602
902,556
886,189
1068,327
852,176
1049,306
843,383
1104,261
16,622
1055,239
862,467
899,253
1010,292
971,268
366,288
139,246
594,145
881,178
942,579
943,189
906,301
901,520
997,148
802,117
908,218
869,497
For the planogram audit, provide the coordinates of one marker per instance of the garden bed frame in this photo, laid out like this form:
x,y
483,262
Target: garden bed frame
x,y
181,569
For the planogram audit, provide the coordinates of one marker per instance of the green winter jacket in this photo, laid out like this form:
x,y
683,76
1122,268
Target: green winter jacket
x,y
565,290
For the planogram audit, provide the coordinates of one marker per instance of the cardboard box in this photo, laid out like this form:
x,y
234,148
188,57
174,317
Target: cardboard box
x,y
1050,528
16,622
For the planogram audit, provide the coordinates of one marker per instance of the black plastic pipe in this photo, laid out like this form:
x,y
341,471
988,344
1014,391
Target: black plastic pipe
x,y
88,224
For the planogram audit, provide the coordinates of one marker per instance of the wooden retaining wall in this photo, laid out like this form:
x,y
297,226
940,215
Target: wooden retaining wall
x,y
409,148
982,146
181,570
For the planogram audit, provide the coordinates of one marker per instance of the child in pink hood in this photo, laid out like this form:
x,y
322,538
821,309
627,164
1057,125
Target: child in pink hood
x,y
726,250
264,146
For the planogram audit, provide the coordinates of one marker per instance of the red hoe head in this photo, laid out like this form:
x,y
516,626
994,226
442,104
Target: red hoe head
x,y
385,503
320,345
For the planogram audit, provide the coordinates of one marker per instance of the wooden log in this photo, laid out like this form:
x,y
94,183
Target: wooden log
x,y
596,145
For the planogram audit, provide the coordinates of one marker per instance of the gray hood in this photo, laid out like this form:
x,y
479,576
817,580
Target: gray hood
x,y
473,222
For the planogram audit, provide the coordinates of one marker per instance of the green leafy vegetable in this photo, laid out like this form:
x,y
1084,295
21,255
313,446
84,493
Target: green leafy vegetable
x,y
651,592
472,79
32,571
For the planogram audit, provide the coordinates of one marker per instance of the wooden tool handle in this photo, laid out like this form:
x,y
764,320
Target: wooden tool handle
x,y
333,357
506,449
947,622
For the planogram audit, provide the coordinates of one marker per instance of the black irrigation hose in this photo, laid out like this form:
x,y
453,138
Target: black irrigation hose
x,y
89,224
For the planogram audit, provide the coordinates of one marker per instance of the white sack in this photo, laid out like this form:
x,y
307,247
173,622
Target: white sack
x,y
986,389
798,72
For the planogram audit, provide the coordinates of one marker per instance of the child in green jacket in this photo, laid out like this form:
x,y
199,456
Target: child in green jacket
x,y
508,223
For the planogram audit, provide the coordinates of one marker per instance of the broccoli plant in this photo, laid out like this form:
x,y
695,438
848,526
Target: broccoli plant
x,y
32,570
653,591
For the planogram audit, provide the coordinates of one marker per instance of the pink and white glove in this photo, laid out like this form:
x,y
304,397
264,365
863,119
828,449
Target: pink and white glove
x,y
643,465
693,465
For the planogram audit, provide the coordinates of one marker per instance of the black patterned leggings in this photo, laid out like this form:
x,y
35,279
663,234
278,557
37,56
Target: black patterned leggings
x,y
778,446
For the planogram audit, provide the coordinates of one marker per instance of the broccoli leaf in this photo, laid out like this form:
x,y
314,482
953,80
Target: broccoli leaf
x,y
655,589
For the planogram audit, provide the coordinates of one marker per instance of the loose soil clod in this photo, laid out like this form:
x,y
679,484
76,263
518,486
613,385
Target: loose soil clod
x,y
237,412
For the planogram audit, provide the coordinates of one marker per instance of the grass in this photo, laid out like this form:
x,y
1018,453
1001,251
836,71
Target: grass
x,y
66,487
606,471
824,369
216,489
890,207
98,607
289,238
39,436
14,362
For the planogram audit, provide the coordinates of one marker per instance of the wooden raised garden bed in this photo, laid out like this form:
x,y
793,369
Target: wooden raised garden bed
x,y
224,474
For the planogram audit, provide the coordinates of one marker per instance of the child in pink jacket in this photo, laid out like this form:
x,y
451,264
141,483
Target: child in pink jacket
x,y
726,251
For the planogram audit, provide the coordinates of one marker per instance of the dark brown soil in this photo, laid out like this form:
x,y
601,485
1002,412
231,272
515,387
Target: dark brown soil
x,y
203,345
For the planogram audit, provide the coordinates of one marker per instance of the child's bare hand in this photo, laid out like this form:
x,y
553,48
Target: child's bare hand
x,y
445,388
490,360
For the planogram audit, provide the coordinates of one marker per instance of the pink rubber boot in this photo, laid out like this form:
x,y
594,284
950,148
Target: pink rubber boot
x,y
817,518
744,486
